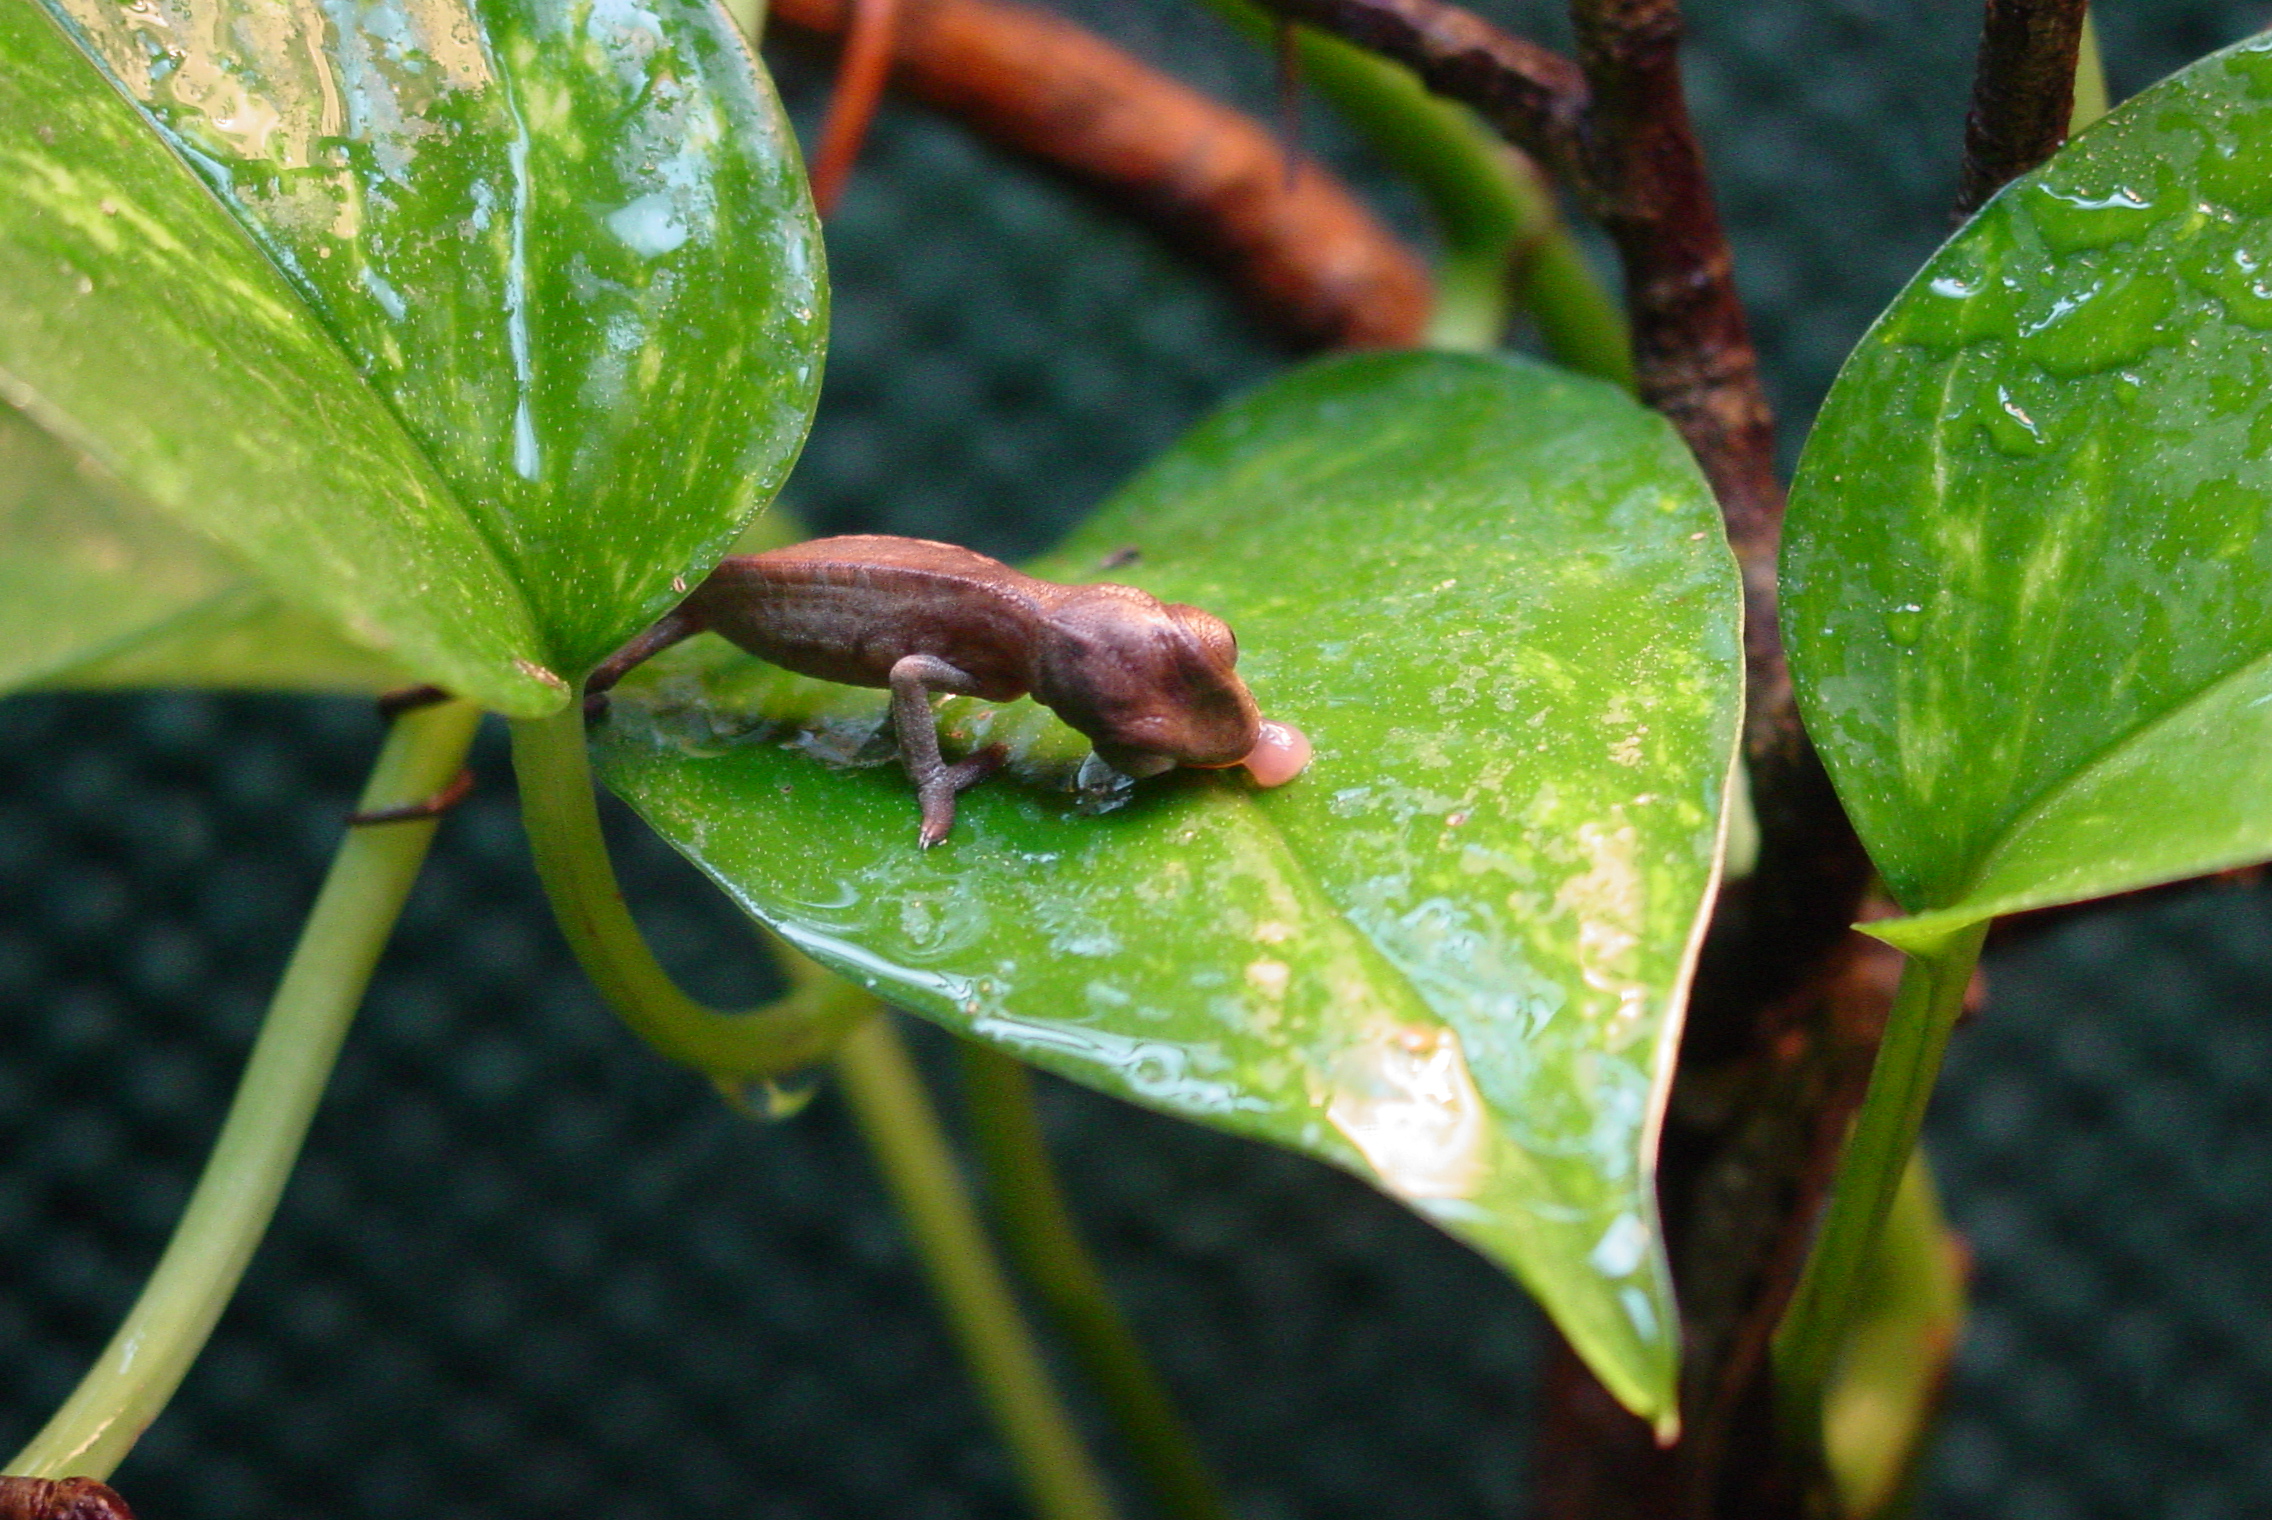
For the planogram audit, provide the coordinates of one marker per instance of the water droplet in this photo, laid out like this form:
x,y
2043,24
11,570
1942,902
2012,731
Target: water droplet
x,y
2115,322
772,1099
2072,220
1904,623
1098,788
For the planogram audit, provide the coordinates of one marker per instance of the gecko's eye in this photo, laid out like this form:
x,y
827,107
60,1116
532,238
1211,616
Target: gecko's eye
x,y
1209,632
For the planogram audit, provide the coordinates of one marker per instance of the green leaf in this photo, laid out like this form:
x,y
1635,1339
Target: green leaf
x,y
1453,956
486,324
2028,573
98,589
139,327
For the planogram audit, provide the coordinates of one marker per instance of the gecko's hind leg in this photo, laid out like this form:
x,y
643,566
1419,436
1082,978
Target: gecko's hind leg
x,y
674,628
913,679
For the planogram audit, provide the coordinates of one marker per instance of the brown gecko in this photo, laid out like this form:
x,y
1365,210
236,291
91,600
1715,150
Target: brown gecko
x,y
1150,683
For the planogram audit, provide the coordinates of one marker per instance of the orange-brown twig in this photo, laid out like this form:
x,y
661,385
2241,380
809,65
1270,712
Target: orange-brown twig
x,y
861,73
1306,256
60,1499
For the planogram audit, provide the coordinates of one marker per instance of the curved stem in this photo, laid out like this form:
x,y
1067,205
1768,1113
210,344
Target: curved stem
x,y
1045,1246
737,1050
861,72
1503,235
290,1064
902,1129
1813,1332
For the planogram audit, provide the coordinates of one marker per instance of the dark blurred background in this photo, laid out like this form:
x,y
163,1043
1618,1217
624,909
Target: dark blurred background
x,y
527,1270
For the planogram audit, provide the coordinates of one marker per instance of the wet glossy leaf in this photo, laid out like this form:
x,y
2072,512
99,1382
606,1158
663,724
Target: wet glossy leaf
x,y
2029,564
98,589
138,325
1452,956
565,246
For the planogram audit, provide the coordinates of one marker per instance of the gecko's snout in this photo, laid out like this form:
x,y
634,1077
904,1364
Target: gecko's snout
x,y
1280,753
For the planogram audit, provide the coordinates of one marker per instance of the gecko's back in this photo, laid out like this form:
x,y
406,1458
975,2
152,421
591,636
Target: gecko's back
x,y
847,609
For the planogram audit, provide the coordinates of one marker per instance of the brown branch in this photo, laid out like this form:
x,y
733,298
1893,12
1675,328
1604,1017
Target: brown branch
x,y
2023,93
1305,254
1534,97
861,70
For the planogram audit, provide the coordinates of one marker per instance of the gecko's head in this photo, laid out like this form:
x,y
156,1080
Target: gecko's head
x,y
1152,684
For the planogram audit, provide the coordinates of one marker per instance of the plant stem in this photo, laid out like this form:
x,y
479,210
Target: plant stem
x,y
1893,1365
2091,101
291,1061
1502,232
2023,93
1045,1246
737,1050
1813,1331
902,1130
1302,252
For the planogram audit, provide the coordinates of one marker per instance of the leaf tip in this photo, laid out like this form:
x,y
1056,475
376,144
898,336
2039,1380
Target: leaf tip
x,y
1923,935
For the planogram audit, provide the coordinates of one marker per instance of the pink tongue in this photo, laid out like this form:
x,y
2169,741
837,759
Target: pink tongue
x,y
1280,752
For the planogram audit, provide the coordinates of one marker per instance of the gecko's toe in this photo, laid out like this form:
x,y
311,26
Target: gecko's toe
x,y
938,818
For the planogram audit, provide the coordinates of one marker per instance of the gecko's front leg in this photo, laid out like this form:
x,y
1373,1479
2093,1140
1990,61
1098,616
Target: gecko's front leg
x,y
913,679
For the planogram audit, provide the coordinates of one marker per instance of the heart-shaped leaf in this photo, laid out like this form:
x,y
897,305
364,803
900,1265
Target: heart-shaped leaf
x,y
98,589
1453,956
2029,563
487,322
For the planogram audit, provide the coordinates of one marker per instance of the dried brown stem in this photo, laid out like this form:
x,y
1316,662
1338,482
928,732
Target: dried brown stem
x,y
1305,254
2023,93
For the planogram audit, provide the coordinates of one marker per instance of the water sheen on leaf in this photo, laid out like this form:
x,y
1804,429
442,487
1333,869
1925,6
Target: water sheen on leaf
x,y
2028,574
140,329
1453,955
567,247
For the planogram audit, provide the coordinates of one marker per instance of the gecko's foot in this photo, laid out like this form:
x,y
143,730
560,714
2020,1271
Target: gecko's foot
x,y
938,797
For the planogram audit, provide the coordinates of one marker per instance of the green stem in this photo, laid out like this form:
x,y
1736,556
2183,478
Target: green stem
x,y
291,1061
902,1129
740,1051
1044,1245
1813,1331
1578,322
2091,100
1892,1372
1502,232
